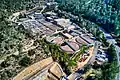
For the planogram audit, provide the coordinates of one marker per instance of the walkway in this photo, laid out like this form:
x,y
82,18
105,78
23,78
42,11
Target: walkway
x,y
94,53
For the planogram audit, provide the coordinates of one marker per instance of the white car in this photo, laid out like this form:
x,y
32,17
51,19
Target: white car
x,y
102,59
101,55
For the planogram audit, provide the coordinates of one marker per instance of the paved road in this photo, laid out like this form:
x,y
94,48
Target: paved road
x,y
112,41
118,57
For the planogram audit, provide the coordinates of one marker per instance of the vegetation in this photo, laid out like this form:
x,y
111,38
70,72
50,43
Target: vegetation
x,y
97,11
99,14
115,3
15,5
4,64
25,61
11,38
86,25
108,70
117,28
118,40
67,61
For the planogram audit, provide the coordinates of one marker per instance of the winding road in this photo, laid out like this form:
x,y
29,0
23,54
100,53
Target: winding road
x,y
112,41
118,58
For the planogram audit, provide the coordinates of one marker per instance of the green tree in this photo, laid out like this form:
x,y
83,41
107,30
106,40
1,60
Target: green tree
x,y
25,61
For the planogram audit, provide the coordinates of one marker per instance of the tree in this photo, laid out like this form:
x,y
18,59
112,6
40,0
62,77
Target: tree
x,y
94,10
110,69
117,26
25,61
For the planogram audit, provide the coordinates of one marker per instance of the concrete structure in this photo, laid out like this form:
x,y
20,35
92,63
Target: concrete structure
x,y
46,69
67,48
70,40
81,41
63,22
38,15
50,25
67,35
29,71
54,39
39,26
84,59
87,38
50,14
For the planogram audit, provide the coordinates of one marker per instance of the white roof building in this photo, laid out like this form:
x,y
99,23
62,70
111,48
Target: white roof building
x,y
63,22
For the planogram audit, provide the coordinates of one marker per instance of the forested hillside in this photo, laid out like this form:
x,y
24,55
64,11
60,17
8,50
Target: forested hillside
x,y
105,13
11,38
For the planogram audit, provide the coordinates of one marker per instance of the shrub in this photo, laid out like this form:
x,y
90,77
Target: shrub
x,y
25,61
4,64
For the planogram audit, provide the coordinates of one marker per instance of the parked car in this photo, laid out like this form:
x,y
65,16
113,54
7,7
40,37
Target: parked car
x,y
101,59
